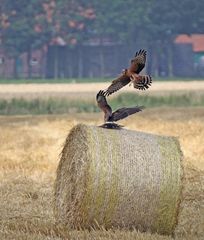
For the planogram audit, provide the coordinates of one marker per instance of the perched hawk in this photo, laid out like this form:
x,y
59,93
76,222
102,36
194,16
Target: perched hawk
x,y
140,82
109,116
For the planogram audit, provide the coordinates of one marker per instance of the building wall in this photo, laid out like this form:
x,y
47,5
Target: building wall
x,y
37,62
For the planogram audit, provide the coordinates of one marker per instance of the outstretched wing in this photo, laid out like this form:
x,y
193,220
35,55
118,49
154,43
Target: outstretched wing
x,y
143,82
138,63
117,84
124,112
102,103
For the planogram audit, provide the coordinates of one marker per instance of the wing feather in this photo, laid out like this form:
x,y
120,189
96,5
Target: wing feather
x,y
102,102
117,84
138,63
125,112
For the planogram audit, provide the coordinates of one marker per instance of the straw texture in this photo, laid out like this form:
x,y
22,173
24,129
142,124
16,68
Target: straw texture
x,y
119,178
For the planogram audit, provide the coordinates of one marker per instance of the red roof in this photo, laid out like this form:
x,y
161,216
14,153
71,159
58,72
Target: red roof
x,y
196,39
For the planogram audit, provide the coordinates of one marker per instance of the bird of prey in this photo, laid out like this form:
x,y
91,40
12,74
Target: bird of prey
x,y
131,74
111,117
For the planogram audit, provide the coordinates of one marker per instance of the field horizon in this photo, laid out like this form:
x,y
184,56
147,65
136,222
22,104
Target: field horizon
x,y
72,98
89,89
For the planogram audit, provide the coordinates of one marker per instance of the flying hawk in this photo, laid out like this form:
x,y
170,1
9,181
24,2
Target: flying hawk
x,y
131,74
111,117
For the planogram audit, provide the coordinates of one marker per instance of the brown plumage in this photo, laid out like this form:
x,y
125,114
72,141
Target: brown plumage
x,y
131,74
119,114
141,82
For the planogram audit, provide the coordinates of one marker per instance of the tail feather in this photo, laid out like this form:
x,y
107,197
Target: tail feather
x,y
143,83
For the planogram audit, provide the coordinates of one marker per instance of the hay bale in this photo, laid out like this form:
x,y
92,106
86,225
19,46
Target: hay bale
x,y
119,178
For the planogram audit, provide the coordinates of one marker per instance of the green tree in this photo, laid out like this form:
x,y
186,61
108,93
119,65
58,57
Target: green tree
x,y
190,18
152,24
21,28
71,22
161,21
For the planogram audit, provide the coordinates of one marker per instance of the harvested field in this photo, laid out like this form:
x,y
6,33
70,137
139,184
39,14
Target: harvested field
x,y
29,155
88,90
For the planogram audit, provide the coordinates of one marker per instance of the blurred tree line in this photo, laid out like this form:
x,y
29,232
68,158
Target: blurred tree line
x,y
27,25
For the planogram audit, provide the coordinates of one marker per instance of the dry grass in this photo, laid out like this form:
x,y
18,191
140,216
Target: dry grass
x,y
29,154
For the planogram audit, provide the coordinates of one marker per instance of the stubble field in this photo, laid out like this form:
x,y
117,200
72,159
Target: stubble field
x,y
30,148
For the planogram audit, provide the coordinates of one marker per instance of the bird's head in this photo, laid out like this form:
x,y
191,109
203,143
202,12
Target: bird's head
x,y
124,71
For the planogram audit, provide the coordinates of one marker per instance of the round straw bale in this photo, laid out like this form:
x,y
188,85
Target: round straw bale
x,y
119,178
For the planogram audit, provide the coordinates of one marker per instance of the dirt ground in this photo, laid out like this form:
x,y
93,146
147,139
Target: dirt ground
x,y
84,90
29,155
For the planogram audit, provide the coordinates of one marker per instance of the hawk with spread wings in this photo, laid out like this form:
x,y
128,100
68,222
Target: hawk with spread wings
x,y
111,117
131,74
